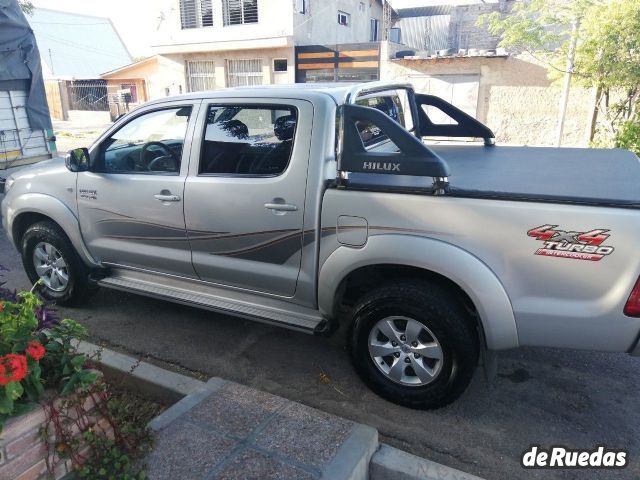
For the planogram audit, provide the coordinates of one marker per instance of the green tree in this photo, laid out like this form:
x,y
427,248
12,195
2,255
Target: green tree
x,y
26,6
607,55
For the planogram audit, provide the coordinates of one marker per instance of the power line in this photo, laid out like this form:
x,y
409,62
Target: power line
x,y
78,45
74,24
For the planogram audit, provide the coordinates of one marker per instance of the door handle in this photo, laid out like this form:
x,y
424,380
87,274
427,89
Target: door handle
x,y
281,207
167,197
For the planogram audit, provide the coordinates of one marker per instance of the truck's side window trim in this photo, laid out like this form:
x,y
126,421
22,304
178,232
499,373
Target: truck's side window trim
x,y
247,140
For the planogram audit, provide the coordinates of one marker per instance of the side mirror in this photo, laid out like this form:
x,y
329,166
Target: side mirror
x,y
77,160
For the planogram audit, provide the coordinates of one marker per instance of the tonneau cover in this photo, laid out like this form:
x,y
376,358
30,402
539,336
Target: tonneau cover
x,y
607,177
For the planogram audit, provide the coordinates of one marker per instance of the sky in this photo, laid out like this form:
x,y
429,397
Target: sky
x,y
136,19
130,17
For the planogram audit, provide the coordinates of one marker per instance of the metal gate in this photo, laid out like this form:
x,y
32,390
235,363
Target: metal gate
x,y
88,95
201,75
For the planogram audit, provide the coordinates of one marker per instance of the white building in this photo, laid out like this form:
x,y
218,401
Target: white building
x,y
224,43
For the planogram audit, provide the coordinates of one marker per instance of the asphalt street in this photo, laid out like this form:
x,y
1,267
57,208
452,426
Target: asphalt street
x,y
540,396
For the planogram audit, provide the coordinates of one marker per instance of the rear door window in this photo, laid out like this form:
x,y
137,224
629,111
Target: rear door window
x,y
248,140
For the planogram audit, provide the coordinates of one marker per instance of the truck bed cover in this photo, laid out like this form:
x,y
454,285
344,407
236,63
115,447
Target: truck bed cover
x,y
565,175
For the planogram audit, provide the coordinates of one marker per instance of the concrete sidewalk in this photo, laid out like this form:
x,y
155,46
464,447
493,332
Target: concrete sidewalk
x,y
228,431
221,430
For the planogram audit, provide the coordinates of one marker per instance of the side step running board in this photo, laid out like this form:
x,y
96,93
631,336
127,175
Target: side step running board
x,y
199,294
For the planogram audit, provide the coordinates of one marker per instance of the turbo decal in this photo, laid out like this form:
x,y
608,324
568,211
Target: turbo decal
x,y
575,245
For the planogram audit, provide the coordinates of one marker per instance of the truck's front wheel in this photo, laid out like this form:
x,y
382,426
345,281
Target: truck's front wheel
x,y
413,343
49,257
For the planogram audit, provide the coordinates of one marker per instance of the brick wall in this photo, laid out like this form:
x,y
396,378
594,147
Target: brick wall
x,y
529,115
516,99
23,451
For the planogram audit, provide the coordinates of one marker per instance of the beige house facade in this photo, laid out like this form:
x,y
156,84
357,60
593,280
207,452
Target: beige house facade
x,y
211,44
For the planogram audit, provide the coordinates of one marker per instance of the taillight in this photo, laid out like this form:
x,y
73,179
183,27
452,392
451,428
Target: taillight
x,y
632,308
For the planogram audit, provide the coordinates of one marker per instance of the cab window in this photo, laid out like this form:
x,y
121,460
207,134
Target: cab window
x,y
248,140
394,104
151,143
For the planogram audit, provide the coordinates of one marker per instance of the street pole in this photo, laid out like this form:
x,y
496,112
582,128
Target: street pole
x,y
564,98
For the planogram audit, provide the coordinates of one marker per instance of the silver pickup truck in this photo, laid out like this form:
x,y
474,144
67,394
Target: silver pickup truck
x,y
307,206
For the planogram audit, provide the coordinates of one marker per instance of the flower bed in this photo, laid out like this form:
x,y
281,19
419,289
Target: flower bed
x,y
48,442
57,414
37,352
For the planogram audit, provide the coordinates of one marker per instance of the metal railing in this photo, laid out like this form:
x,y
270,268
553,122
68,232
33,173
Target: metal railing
x,y
88,95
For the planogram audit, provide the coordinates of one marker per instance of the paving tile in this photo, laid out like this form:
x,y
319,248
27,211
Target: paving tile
x,y
305,434
252,465
235,410
186,451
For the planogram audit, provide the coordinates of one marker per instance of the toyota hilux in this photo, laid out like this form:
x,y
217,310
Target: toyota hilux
x,y
311,206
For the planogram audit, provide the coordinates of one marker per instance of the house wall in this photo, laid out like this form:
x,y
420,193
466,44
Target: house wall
x,y
464,31
514,96
319,26
219,58
160,78
440,28
274,21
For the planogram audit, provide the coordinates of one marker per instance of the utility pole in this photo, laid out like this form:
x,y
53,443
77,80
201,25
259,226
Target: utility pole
x,y
386,19
564,98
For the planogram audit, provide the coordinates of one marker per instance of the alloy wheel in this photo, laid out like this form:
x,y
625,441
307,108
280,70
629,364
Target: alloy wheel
x,y
405,351
51,267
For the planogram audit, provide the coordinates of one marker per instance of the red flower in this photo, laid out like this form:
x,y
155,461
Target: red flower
x,y
13,368
35,350
1,307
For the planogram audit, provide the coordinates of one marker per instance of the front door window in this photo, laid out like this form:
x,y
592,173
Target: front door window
x,y
151,143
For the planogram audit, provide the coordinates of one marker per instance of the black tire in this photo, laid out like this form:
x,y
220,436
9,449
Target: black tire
x,y
78,287
444,315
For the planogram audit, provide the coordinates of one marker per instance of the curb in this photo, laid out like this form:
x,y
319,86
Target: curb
x,y
352,460
360,457
152,381
389,463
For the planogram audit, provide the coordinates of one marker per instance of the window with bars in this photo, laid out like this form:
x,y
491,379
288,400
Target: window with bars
x,y
196,14
244,72
201,75
239,12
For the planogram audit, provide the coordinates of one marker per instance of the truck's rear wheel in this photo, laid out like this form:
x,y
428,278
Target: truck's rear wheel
x,y
49,257
413,343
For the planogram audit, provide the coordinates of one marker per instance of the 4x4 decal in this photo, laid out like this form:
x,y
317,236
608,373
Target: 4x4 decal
x,y
568,244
